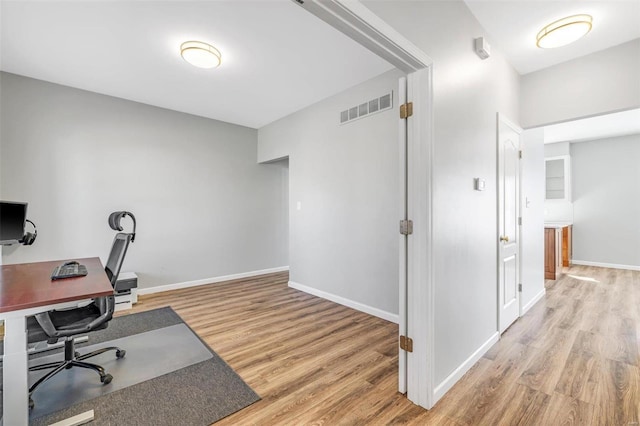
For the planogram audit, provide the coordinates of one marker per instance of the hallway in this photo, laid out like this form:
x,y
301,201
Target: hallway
x,y
572,359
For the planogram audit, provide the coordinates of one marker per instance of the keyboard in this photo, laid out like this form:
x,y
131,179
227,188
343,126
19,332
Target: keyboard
x,y
68,271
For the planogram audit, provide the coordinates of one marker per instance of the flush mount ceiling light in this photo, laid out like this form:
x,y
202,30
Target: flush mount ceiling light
x,y
201,55
564,31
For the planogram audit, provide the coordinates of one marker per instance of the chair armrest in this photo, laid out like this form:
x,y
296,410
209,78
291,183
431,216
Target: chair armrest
x,y
107,307
44,320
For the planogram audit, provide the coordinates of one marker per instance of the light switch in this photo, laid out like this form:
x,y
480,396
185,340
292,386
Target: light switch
x,y
478,184
299,205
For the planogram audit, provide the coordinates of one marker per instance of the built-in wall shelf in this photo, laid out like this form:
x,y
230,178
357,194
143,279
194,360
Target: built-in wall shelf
x,y
558,178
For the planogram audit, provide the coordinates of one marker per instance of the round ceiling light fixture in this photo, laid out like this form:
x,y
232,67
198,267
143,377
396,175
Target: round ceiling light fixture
x,y
200,54
564,31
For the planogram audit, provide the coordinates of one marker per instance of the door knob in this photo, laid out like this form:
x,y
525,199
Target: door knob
x,y
505,238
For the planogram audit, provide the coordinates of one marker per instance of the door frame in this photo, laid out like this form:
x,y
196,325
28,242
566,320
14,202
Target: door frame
x,y
501,118
403,239
363,26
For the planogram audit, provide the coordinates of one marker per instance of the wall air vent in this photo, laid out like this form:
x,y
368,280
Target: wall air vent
x,y
373,106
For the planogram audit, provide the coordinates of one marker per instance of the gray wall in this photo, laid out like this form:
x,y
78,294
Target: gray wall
x,y
602,82
344,239
204,207
606,200
468,92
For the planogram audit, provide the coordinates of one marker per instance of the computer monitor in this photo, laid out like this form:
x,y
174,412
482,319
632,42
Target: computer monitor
x,y
12,221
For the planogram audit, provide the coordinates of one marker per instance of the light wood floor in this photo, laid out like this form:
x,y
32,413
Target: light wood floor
x,y
572,359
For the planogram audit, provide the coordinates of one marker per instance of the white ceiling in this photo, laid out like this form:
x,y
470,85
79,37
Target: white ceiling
x,y
604,126
513,25
276,57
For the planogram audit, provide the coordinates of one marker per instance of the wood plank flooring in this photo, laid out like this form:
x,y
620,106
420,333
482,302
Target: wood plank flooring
x,y
312,361
573,359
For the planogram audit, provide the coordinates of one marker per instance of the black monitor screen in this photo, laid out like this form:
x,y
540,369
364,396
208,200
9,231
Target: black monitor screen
x,y
12,221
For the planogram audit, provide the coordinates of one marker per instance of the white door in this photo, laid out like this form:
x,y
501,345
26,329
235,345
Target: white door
x,y
416,299
508,222
420,291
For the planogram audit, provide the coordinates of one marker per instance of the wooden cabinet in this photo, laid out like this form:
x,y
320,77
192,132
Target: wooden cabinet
x,y
557,250
567,245
552,253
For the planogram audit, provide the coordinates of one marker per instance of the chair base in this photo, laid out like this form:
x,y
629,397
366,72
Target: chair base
x,y
73,359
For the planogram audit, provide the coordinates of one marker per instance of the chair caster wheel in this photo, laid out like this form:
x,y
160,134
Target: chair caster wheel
x,y
31,404
106,379
76,354
120,353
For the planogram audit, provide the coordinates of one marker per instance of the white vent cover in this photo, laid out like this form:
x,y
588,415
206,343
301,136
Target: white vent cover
x,y
382,103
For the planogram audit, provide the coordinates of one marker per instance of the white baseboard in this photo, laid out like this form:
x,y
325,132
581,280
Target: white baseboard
x,y
346,302
186,284
533,301
605,265
457,374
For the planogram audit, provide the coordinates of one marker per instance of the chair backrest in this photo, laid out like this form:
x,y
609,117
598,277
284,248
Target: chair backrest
x,y
105,305
116,256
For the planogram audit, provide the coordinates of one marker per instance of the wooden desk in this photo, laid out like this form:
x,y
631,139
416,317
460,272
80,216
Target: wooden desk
x,y
26,289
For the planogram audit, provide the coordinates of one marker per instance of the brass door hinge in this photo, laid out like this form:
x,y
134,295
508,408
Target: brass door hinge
x,y
520,154
406,227
406,343
406,110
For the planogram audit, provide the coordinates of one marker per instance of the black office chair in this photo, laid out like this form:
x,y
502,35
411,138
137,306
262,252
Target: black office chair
x,y
67,323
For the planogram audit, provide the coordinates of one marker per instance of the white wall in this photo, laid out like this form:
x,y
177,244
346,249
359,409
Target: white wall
x,y
533,205
204,207
557,149
1,198
602,82
468,92
344,239
606,201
